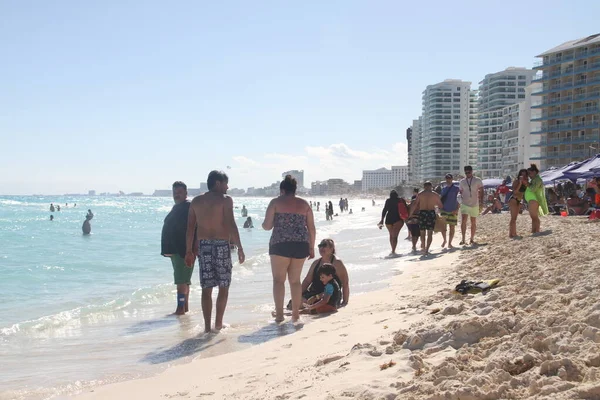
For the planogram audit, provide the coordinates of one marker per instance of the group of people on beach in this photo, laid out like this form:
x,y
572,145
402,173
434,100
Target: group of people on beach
x,y
204,228
465,199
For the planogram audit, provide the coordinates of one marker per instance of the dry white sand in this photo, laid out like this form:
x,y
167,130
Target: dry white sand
x,y
536,336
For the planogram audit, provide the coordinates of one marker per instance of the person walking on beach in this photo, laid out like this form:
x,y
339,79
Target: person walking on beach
x,y
471,191
394,221
211,218
330,210
426,202
292,241
450,209
519,187
173,245
536,198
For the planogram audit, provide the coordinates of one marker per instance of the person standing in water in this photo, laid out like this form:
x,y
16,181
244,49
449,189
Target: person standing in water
x,y
51,217
292,242
86,228
90,214
173,245
244,211
211,218
471,191
342,205
426,203
52,209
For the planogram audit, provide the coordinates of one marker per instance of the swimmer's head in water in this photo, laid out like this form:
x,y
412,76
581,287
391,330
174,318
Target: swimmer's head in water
x,y
217,181
179,192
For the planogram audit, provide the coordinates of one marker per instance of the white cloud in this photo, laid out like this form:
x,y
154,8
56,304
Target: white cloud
x,y
318,162
245,161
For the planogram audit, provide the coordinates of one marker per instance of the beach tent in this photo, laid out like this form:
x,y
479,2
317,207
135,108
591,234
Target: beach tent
x,y
585,169
555,174
492,183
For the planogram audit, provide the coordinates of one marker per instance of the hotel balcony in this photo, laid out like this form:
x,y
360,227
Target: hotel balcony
x,y
563,59
558,87
593,138
567,154
569,99
567,113
566,127
569,71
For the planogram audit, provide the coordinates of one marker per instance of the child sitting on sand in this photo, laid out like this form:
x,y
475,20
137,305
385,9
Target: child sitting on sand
x,y
329,300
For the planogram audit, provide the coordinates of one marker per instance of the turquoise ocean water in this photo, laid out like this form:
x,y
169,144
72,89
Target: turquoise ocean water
x,y
78,311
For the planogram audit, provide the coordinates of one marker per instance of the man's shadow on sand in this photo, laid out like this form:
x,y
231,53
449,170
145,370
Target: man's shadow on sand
x,y
269,332
186,348
144,326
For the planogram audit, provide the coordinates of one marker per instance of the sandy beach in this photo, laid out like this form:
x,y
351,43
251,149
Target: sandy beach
x,y
536,335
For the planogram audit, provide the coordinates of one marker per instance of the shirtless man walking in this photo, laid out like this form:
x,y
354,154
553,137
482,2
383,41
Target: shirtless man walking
x,y
211,216
426,202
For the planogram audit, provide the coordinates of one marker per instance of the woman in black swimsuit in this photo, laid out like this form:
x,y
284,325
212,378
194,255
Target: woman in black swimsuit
x,y
292,241
312,285
519,187
393,220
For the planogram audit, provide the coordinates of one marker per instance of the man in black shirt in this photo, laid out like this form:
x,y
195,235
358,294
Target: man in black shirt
x,y
173,245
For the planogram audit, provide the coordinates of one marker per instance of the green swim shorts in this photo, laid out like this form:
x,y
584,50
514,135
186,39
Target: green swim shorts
x,y
451,218
470,211
182,274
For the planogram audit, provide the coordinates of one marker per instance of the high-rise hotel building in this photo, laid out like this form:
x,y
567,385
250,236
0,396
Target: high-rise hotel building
x,y
569,100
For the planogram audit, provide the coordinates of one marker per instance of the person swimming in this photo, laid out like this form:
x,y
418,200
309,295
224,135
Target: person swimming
x,y
248,223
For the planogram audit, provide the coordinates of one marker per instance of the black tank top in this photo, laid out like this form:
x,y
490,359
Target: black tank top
x,y
317,286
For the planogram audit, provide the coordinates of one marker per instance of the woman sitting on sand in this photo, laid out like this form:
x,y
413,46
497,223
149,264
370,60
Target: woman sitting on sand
x,y
312,285
536,198
519,186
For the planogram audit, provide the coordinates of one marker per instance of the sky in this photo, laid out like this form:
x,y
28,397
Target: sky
x,y
133,95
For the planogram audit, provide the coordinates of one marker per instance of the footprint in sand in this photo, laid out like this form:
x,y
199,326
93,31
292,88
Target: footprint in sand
x,y
287,346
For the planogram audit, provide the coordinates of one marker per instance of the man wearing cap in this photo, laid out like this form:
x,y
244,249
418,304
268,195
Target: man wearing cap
x,y
450,208
471,191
